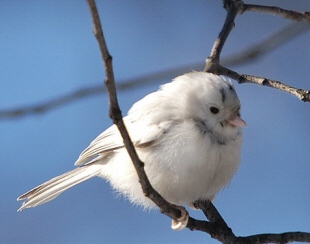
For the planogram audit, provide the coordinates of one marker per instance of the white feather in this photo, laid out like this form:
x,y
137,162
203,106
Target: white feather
x,y
189,152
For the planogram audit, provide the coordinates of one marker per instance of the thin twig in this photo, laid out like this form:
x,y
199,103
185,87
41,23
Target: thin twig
x,y
116,115
220,41
303,95
288,14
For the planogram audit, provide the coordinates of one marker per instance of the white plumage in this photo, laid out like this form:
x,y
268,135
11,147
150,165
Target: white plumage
x,y
187,134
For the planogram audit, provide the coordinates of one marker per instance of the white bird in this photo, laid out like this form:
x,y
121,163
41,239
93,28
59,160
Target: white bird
x,y
188,134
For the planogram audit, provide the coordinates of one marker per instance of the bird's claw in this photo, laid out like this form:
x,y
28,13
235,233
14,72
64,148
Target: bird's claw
x,y
180,223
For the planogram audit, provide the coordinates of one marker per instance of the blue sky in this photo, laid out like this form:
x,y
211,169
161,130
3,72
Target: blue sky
x,y
48,49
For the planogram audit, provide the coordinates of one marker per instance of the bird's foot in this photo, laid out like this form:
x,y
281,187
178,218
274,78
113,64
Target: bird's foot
x,y
180,223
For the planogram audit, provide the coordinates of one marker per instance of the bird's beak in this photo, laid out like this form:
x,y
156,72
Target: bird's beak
x,y
236,121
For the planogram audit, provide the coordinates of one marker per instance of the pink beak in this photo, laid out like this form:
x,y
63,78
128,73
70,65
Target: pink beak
x,y
237,121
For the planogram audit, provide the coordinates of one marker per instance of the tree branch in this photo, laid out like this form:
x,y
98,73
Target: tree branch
x,y
218,229
303,95
213,61
220,41
116,115
276,238
288,14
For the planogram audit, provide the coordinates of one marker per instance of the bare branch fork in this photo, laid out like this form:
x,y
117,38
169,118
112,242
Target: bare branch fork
x,y
216,226
213,61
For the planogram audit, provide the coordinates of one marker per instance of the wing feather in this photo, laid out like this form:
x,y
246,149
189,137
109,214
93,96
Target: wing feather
x,y
146,124
111,140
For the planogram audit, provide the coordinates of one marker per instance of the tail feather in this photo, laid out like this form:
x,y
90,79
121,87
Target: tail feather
x,y
54,187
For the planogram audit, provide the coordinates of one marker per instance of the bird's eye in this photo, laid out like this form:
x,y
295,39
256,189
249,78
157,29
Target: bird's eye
x,y
214,110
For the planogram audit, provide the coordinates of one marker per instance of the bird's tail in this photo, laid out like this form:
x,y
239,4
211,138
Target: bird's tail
x,y
54,187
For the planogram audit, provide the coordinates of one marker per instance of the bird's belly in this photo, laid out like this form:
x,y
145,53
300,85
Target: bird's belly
x,y
195,175
182,170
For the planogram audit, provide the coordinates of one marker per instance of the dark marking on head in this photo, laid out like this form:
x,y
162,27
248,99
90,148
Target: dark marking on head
x,y
222,91
230,87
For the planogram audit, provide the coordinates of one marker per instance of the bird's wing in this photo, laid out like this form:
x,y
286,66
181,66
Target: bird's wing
x,y
147,121
142,135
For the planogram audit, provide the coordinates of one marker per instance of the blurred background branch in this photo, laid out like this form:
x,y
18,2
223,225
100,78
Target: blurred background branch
x,y
250,54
